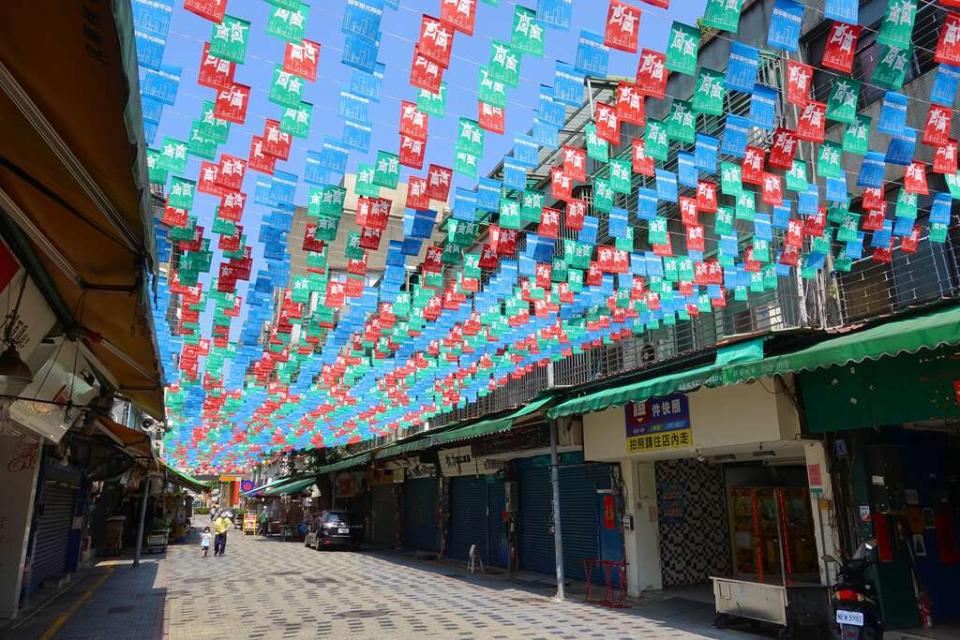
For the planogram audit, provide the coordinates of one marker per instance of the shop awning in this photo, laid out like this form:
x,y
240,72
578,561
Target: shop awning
x,y
182,479
73,180
348,463
263,487
487,427
401,448
929,331
291,486
676,382
135,443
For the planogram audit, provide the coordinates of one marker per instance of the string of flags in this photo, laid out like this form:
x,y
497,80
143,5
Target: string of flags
x,y
698,209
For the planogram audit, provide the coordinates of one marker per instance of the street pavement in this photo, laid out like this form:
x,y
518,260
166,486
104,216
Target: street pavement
x,y
267,589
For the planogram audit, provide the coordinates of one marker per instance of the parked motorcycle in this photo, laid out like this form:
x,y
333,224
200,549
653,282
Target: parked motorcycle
x,y
856,611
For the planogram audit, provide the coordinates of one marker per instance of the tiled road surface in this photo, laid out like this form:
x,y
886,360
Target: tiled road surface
x,y
269,589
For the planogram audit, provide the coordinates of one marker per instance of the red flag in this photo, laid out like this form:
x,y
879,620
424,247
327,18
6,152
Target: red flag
x,y
373,212
652,74
873,220
623,26
695,238
576,214
688,211
370,238
915,178
799,81
945,158
561,185
751,168
782,149
209,179
310,242
936,131
608,124
772,189
948,46
490,118
302,59
412,151
232,170
258,159
439,179
663,4
872,198
841,46
630,104
706,196
425,73
549,223
174,217
812,122
413,122
459,14
417,197
212,10
436,40
215,72
575,163
231,205
276,143
908,244
335,294
231,103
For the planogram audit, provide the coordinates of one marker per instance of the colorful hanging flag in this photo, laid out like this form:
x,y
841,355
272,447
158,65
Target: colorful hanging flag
x,y
841,45
623,26
682,47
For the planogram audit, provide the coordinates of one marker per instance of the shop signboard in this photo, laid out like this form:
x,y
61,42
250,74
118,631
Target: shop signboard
x,y
460,461
658,424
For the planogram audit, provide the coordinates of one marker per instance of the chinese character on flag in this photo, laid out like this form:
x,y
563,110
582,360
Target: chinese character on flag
x,y
413,122
799,80
276,143
948,46
561,185
782,149
576,214
642,163
212,10
706,196
841,46
812,122
623,26
936,132
436,40
215,72
231,103
630,105
652,74
412,151
945,158
425,73
608,123
302,59
490,118
751,169
575,163
417,197
915,178
258,159
459,14
438,182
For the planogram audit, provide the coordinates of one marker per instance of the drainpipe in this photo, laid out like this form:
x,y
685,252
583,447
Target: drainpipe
x,y
142,521
555,482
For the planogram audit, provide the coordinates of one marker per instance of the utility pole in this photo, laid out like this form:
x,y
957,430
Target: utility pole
x,y
555,482
143,517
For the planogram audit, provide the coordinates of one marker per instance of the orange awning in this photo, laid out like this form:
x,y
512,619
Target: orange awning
x,y
73,180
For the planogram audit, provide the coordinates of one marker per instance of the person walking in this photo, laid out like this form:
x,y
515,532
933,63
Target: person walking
x,y
262,522
205,541
220,527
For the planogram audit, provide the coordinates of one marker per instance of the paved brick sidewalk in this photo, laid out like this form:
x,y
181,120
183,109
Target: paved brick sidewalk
x,y
267,589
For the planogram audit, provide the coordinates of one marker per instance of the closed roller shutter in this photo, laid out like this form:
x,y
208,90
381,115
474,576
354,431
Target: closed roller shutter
x,y
53,531
579,514
420,528
497,546
535,532
468,517
384,519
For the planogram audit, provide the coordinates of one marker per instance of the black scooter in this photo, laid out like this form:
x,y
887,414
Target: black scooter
x,y
855,607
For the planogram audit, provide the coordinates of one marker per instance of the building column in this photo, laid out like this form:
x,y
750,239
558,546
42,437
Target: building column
x,y
19,469
823,508
642,544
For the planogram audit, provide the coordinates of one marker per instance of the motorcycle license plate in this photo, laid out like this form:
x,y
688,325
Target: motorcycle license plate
x,y
850,617
347,530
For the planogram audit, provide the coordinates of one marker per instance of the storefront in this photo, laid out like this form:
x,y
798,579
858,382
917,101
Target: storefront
x,y
476,506
891,425
421,506
708,477
384,519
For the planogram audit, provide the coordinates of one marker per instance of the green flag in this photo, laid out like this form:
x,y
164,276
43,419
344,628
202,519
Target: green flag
x,y
722,14
433,103
856,139
896,30
842,103
527,34
387,170
708,98
682,48
229,39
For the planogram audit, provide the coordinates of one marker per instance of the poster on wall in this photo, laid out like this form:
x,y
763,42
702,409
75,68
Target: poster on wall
x,y
657,424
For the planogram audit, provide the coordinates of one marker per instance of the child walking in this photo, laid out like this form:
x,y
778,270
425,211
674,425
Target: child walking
x,y
205,541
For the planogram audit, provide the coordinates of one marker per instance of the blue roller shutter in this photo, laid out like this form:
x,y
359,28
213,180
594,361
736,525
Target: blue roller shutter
x,y
420,528
579,513
468,517
497,546
535,532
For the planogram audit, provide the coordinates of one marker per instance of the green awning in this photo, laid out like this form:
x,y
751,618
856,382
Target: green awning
x,y
400,448
676,382
264,486
348,463
291,486
937,329
487,427
184,480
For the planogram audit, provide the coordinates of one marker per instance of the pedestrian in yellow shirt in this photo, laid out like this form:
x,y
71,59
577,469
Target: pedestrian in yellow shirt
x,y
220,527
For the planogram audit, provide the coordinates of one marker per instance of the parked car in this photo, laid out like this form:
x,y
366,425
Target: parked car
x,y
334,529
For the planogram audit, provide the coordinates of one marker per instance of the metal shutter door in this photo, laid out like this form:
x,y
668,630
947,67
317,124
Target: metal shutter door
x,y
468,517
496,528
383,503
579,515
420,530
53,530
536,534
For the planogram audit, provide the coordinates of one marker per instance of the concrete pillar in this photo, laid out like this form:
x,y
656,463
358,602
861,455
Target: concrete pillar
x,y
19,469
823,507
642,544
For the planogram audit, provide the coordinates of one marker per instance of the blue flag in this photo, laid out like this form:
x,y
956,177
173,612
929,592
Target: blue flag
x,y
871,170
557,14
846,11
784,31
568,85
742,67
944,90
763,107
735,132
705,153
592,55
893,114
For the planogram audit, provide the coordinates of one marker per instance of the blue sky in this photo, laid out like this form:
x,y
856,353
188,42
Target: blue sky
x,y
400,29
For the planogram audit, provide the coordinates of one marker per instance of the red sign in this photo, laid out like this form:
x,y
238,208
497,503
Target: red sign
x,y
209,181
561,185
576,214
608,123
459,14
812,122
772,189
258,160
490,118
373,212
212,10
841,47
688,211
695,237
751,169
630,104
276,143
412,151
782,149
425,73
706,196
549,223
642,164
936,131
215,72
231,103
438,182
370,238
302,59
915,178
310,242
945,158
413,122
652,74
417,197
231,205
799,81
232,170
436,40
623,26
948,46
575,163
